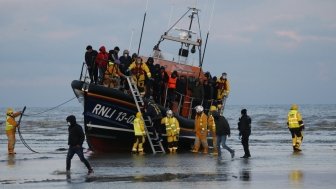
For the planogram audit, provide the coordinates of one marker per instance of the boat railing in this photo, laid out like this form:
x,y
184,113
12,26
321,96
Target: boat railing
x,y
174,58
184,105
84,73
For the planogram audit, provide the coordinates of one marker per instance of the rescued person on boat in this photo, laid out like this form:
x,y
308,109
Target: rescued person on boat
x,y
101,63
90,56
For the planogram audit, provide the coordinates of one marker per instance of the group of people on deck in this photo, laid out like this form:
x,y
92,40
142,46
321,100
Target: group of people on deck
x,y
108,69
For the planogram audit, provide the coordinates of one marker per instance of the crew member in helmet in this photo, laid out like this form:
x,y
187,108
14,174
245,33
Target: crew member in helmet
x,y
295,126
139,70
172,131
223,90
11,126
201,130
139,132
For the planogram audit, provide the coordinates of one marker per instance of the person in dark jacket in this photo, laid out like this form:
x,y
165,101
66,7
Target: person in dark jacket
x,y
90,56
75,142
222,131
154,112
244,127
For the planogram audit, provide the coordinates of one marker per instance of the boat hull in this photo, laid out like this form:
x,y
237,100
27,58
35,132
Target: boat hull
x,y
108,117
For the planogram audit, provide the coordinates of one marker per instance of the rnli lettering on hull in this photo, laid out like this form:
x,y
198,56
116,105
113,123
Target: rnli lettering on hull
x,y
114,114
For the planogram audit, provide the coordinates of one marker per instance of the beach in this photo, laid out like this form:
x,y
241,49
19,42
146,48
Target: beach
x,y
314,167
273,164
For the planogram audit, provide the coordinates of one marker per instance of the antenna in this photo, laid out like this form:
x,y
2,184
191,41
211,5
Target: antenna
x,y
207,37
143,25
131,40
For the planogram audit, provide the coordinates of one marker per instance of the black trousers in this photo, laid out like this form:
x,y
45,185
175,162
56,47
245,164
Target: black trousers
x,y
245,143
79,151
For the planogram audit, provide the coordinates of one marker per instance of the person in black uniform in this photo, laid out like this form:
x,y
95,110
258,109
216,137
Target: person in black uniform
x,y
75,142
244,127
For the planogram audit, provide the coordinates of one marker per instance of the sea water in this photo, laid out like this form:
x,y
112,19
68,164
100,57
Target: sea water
x,y
272,164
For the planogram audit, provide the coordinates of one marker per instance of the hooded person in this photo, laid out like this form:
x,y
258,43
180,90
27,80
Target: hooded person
x,y
11,126
212,128
102,62
295,126
139,132
223,87
244,127
75,141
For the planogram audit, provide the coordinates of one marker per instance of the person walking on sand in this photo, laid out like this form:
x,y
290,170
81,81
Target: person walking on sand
x,y
212,129
75,142
201,130
295,126
139,132
244,127
223,132
11,126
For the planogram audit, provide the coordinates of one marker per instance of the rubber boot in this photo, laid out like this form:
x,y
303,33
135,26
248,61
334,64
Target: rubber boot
x,y
205,151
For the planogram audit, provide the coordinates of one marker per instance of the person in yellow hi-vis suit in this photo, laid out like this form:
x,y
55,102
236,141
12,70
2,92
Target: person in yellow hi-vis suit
x,y
139,132
11,126
138,70
295,126
212,129
172,131
112,75
201,130
223,87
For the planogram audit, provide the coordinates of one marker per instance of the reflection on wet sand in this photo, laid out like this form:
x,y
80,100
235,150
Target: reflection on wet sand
x,y
245,171
296,176
11,161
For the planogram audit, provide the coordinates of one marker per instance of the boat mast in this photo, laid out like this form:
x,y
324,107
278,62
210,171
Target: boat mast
x,y
208,33
143,25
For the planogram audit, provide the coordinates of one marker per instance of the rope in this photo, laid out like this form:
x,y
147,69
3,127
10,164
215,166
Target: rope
x,y
51,108
22,114
21,138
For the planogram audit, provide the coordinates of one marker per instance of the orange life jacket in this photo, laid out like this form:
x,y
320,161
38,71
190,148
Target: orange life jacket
x,y
172,83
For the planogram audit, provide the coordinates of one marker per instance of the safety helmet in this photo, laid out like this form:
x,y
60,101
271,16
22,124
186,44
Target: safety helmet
x,y
138,114
169,113
294,107
213,108
199,109
9,111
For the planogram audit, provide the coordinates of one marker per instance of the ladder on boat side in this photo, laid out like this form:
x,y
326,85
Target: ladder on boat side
x,y
156,145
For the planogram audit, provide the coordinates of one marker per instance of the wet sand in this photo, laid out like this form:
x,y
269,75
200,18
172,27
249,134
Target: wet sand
x,y
270,166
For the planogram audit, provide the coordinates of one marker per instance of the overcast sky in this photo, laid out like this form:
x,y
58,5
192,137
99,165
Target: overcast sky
x,y
275,52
